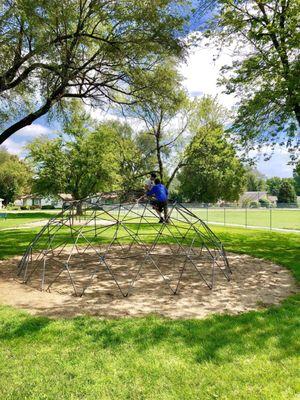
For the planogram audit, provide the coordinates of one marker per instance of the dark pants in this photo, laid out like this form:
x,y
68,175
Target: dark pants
x,y
161,206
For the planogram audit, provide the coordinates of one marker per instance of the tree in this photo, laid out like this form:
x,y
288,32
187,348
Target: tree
x,y
296,176
15,176
265,71
81,162
255,180
163,110
212,171
286,193
273,185
87,49
133,155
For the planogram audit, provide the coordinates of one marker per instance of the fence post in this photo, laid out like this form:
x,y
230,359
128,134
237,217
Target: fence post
x,y
224,217
95,224
207,213
246,217
270,218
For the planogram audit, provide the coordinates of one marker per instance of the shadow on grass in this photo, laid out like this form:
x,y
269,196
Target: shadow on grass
x,y
21,325
280,248
15,242
217,339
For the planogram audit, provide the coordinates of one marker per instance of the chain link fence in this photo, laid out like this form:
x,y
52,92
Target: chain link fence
x,y
281,217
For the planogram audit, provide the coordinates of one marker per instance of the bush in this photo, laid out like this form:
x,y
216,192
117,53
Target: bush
x,y
246,202
264,202
24,207
48,207
12,207
254,204
287,205
177,196
286,193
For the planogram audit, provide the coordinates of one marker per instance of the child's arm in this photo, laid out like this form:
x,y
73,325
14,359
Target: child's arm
x,y
151,192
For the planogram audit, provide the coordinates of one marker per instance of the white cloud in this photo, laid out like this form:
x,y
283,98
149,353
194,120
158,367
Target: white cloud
x,y
278,163
14,147
33,130
100,115
16,143
202,70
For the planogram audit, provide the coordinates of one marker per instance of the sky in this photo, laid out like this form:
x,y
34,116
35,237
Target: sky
x,y
200,73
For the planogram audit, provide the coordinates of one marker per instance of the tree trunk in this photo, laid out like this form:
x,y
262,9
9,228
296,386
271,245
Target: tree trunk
x,y
159,160
56,95
297,113
79,208
25,121
176,169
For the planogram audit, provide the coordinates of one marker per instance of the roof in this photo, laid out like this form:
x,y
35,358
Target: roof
x,y
66,196
30,196
273,199
254,196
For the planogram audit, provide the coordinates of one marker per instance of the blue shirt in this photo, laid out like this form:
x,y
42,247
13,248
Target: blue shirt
x,y
159,191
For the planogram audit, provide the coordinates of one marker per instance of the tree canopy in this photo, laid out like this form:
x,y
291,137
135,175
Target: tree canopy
x,y
82,161
273,185
15,176
296,176
265,71
211,169
255,181
163,110
286,193
52,51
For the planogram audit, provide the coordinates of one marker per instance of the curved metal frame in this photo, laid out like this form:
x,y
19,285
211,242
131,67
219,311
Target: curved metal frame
x,y
192,240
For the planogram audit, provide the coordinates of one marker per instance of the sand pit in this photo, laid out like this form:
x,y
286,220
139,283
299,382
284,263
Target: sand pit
x,y
254,284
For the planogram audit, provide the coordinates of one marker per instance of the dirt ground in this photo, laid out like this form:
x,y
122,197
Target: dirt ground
x,y
254,284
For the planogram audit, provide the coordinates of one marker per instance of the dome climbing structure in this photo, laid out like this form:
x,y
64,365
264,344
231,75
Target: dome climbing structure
x,y
95,245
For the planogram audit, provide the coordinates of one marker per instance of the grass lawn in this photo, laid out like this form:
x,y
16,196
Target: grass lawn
x,y
279,218
250,356
15,219
263,217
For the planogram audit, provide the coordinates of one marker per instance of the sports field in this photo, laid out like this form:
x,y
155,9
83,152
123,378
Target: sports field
x,y
277,218
274,217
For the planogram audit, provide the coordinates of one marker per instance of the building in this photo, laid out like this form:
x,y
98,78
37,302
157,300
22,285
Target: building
x,y
1,203
38,201
249,197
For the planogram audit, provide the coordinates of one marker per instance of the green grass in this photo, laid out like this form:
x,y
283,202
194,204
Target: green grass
x,y
253,356
279,218
15,219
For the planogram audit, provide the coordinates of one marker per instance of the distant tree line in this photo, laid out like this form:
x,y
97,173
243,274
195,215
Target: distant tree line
x,y
15,176
285,189
190,152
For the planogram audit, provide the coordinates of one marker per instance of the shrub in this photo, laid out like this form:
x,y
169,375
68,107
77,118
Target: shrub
x,y
246,202
12,207
286,193
48,207
264,202
254,204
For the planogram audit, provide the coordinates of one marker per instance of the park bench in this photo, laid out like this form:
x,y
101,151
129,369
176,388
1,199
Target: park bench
x,y
3,215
